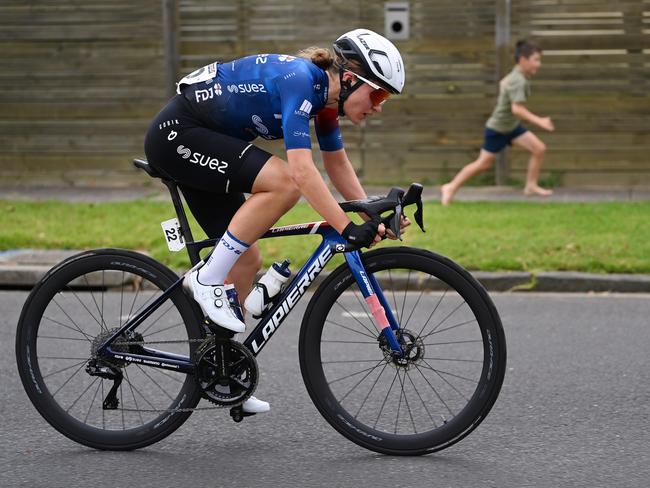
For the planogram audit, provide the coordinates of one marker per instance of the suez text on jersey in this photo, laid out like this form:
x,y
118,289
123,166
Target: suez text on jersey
x,y
202,160
247,88
290,301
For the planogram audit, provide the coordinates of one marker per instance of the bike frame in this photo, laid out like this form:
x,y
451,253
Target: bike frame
x,y
332,243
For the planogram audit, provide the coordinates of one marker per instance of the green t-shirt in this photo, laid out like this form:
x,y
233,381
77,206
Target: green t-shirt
x,y
514,88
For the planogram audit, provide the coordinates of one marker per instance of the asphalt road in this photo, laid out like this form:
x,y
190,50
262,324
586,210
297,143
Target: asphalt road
x,y
573,412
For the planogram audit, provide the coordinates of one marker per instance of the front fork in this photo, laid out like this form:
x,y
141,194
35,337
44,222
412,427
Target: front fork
x,y
376,301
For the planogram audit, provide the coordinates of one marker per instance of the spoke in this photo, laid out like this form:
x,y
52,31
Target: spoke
x,y
92,295
443,320
399,403
121,396
435,424
452,342
449,328
445,380
155,321
64,369
68,380
403,326
435,391
444,293
135,297
385,399
355,318
104,413
171,377
103,288
348,328
71,320
126,376
359,382
351,361
161,330
121,303
408,407
151,299
354,374
82,394
155,382
60,357
82,304
347,342
455,359
392,289
92,402
63,338
370,391
408,280
440,371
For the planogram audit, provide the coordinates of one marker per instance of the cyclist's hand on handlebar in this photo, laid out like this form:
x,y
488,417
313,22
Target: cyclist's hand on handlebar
x,y
364,235
404,223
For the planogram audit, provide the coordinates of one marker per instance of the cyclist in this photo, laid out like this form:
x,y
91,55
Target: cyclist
x,y
504,127
201,139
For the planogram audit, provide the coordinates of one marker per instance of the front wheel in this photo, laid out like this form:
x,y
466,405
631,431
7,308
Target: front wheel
x,y
434,396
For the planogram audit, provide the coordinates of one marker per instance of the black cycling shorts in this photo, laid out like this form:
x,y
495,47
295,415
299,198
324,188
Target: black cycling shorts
x,y
212,170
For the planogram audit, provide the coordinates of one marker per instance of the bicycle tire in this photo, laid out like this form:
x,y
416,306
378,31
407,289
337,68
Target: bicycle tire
x,y
323,318
57,319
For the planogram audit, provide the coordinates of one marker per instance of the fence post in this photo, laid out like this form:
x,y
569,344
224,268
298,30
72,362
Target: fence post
x,y
502,42
171,25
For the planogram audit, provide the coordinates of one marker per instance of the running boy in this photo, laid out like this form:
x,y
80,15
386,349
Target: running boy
x,y
504,126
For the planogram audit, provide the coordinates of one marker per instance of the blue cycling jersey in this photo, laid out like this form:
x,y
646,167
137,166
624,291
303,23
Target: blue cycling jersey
x,y
272,96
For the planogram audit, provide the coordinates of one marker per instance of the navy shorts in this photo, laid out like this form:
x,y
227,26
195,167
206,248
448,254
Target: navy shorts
x,y
495,141
213,170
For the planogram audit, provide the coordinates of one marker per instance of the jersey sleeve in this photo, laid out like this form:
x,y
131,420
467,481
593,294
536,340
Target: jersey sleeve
x,y
328,130
295,90
517,90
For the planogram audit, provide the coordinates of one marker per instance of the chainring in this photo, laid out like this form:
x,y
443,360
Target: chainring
x,y
226,372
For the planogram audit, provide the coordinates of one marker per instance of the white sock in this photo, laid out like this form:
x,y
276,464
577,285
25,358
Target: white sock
x,y
223,258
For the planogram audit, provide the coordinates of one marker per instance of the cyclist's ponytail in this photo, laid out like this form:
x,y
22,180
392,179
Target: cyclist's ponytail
x,y
321,57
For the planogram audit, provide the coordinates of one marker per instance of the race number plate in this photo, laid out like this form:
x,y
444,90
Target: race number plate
x,y
173,236
206,73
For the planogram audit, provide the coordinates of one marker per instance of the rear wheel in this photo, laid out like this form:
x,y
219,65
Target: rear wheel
x,y
447,381
77,306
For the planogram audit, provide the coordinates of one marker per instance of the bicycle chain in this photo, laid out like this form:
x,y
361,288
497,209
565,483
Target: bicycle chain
x,y
170,410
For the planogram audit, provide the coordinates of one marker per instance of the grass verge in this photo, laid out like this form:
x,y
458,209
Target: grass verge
x,y
491,236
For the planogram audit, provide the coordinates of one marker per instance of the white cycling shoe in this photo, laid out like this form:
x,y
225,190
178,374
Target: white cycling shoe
x,y
255,405
213,301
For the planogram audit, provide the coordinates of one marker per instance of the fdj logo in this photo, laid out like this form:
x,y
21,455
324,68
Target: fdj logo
x,y
247,88
201,160
203,95
261,59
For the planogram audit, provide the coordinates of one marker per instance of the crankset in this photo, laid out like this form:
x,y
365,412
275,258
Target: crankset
x,y
226,372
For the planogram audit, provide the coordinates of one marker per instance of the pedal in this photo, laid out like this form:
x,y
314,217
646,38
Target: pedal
x,y
238,414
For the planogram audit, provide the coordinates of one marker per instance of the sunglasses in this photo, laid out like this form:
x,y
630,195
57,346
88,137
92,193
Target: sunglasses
x,y
378,95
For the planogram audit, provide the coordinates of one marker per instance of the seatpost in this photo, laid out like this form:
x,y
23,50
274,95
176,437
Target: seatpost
x,y
182,220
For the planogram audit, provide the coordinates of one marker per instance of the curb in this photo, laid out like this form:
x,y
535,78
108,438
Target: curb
x,y
21,269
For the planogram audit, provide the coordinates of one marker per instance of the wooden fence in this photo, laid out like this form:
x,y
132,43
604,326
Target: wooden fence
x,y
81,79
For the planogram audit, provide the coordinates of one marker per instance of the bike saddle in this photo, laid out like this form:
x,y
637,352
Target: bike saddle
x,y
144,165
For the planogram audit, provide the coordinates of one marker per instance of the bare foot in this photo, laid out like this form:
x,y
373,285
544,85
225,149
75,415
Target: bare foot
x,y
447,194
531,190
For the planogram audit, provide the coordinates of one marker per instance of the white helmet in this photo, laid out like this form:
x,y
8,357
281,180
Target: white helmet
x,y
380,60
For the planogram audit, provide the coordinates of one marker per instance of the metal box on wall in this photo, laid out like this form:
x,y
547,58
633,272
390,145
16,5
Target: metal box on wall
x,y
396,21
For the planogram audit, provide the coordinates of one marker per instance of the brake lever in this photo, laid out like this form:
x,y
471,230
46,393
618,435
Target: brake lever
x,y
418,215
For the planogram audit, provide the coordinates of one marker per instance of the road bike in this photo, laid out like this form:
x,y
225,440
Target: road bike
x,y
401,350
